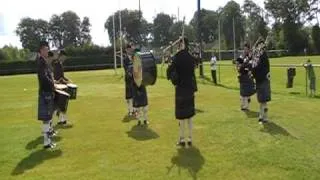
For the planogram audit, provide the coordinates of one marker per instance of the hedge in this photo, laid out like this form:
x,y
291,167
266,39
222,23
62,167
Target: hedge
x,y
71,64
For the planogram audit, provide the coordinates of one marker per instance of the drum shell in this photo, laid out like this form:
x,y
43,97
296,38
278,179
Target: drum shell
x,y
149,69
72,90
61,101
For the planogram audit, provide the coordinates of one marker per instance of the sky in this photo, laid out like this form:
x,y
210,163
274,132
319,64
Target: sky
x,y
11,11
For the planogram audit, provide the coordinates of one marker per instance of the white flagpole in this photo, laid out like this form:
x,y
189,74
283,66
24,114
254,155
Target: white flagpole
x,y
121,52
114,46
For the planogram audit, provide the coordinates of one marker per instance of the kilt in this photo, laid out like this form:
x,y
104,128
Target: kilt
x,y
313,83
264,91
45,106
128,89
140,98
184,103
247,86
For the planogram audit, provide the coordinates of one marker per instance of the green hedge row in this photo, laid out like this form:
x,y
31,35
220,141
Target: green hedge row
x,y
71,64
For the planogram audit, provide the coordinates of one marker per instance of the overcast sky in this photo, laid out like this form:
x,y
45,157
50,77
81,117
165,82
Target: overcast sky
x,y
11,11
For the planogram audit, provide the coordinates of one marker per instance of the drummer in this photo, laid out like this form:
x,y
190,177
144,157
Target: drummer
x,y
140,101
58,73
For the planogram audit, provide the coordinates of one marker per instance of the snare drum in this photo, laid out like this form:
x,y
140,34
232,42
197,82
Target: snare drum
x,y
61,100
61,86
72,90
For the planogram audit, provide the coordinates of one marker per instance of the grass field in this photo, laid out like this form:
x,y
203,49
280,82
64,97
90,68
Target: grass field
x,y
103,144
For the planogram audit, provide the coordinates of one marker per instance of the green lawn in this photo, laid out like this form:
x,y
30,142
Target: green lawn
x,y
102,144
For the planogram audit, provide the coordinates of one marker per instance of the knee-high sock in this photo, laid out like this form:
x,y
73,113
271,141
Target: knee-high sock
x,y
190,128
145,111
181,126
50,125
242,102
140,113
263,111
130,105
45,131
63,117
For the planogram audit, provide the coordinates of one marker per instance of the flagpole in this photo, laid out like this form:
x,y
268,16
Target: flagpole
x,y
114,46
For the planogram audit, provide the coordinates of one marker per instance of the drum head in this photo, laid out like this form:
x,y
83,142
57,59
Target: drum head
x,y
72,85
61,86
137,69
62,93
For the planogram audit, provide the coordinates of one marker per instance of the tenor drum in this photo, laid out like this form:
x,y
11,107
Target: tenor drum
x,y
61,100
72,90
144,69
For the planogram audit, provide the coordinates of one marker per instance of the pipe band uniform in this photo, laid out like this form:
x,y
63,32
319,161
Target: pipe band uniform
x,y
45,95
182,75
261,73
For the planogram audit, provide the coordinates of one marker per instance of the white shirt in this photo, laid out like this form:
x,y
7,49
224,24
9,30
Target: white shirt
x,y
213,63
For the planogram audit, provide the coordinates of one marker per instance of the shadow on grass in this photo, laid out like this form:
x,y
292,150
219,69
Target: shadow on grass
x,y
251,114
295,93
67,126
127,119
228,87
274,129
199,111
188,158
142,133
34,143
35,159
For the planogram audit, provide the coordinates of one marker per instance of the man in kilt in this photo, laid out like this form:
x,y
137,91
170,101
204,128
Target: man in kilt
x,y
46,95
140,101
59,77
181,73
261,73
128,69
247,86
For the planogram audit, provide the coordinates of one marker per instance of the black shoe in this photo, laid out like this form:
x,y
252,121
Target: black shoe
x,y
49,146
62,123
181,143
244,109
189,143
139,123
263,121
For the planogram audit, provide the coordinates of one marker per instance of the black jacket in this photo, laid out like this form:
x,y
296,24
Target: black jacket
x,y
45,78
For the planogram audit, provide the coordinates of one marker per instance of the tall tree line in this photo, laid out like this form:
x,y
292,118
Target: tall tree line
x,y
288,24
61,31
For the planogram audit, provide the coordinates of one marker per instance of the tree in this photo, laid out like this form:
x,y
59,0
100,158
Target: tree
x,y
256,26
161,26
316,37
85,37
71,28
291,15
31,32
209,25
176,31
133,28
56,31
68,30
231,11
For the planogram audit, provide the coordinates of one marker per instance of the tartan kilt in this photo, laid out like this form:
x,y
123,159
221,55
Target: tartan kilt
x,y
45,106
264,91
184,103
140,97
128,89
247,86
